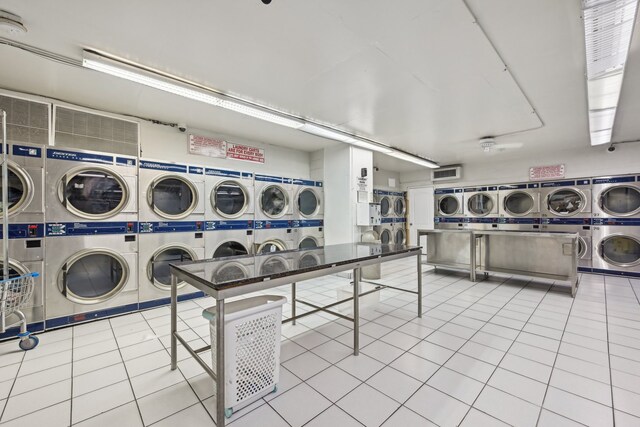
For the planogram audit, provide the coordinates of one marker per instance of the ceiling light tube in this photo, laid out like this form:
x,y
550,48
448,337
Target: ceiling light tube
x,y
180,87
413,159
337,135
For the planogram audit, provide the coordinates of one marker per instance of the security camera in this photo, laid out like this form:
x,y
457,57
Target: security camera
x,y
611,148
182,127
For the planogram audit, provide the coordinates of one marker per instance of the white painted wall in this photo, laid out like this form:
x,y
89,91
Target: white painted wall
x,y
316,165
586,162
381,179
166,143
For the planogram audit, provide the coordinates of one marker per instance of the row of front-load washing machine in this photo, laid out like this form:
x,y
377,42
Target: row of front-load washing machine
x,y
102,229
604,211
393,211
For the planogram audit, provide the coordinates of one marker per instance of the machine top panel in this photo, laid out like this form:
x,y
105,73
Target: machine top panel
x,y
228,173
614,179
566,183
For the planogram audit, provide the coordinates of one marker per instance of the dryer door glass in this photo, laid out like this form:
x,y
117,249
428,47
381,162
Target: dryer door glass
x,y
230,199
398,206
308,243
274,201
271,246
93,278
621,200
448,205
386,237
480,204
173,197
385,206
582,247
160,265
399,237
565,202
623,251
229,272
518,203
308,202
273,265
17,190
94,193
230,249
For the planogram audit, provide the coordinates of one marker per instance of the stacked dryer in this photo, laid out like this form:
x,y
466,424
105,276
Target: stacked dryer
x,y
229,213
273,224
519,207
616,225
91,212
385,230
308,213
565,207
481,208
399,217
172,205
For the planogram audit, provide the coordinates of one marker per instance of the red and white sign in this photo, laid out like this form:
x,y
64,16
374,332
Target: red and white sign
x,y
245,152
538,173
205,146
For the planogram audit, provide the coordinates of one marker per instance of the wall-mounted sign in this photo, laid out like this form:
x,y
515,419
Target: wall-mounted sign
x,y
245,152
205,146
538,173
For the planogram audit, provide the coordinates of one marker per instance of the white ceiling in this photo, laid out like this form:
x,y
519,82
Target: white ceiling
x,y
420,75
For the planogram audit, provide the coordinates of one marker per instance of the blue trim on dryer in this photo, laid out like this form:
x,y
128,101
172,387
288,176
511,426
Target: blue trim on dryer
x,y
13,332
238,224
269,178
614,179
566,221
166,301
92,315
25,231
75,156
26,151
269,224
302,223
55,229
615,272
162,166
633,222
170,226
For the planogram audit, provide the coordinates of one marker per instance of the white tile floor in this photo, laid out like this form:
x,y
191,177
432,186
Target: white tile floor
x,y
493,353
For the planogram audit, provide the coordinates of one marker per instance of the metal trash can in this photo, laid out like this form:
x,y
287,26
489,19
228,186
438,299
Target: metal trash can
x,y
371,272
252,348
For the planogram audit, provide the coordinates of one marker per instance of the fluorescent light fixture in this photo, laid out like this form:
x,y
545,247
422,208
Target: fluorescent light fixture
x,y
337,135
413,159
608,26
177,86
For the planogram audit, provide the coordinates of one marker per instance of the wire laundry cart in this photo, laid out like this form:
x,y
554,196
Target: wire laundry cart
x,y
15,292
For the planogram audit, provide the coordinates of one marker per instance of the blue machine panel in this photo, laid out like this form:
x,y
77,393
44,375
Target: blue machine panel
x,y
518,220
617,221
168,167
267,224
89,228
614,179
170,226
570,221
24,231
269,178
74,156
298,223
238,224
26,151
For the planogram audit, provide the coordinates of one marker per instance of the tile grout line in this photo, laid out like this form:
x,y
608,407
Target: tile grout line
x,y
606,311
15,379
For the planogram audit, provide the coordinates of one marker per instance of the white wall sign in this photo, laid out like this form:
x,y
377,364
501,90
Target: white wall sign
x,y
205,146
245,152
537,173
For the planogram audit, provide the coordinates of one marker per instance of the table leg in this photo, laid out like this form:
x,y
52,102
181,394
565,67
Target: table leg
x,y
419,284
293,303
220,379
174,322
472,258
356,311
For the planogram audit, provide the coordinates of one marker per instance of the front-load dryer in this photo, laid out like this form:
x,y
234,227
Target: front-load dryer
x,y
91,270
616,246
616,197
308,199
519,207
386,202
161,244
26,255
399,205
25,183
230,195
171,191
90,186
448,208
582,226
385,231
400,231
311,235
566,199
273,198
228,238
481,208
274,236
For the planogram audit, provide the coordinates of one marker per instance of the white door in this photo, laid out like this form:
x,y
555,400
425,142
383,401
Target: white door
x,y
420,212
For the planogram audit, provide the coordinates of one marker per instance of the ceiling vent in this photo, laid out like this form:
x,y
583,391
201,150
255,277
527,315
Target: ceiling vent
x,y
446,173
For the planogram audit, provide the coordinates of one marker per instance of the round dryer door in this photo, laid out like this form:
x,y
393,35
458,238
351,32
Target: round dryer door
x,y
399,207
93,193
229,272
308,261
273,265
229,199
480,204
172,197
19,189
582,247
308,203
385,206
518,203
621,200
386,237
448,205
93,276
271,246
274,201
620,250
231,248
308,243
158,267
16,295
400,237
566,202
